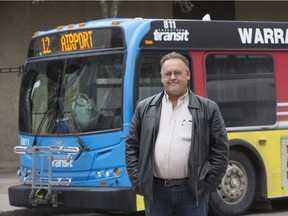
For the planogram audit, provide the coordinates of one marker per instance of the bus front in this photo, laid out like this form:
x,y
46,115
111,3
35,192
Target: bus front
x,y
71,134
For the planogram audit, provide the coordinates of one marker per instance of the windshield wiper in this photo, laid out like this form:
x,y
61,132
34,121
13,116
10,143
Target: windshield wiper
x,y
57,105
42,121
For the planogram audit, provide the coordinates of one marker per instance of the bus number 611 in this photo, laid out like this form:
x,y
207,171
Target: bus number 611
x,y
169,24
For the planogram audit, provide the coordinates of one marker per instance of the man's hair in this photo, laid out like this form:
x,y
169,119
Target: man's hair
x,y
174,55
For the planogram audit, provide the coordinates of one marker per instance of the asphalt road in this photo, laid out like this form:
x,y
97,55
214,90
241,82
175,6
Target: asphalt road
x,y
53,212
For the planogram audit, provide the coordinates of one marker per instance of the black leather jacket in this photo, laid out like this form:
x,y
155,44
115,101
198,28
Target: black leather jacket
x,y
208,157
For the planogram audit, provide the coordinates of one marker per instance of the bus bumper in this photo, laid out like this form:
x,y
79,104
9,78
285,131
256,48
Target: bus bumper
x,y
98,198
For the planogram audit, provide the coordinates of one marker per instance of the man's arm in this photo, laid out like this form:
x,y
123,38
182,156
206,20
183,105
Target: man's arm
x,y
132,150
219,149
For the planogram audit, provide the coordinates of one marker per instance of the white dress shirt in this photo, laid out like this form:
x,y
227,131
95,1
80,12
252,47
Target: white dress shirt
x,y
174,139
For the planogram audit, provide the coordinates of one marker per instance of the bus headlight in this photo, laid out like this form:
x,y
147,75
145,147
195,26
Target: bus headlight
x,y
98,174
107,173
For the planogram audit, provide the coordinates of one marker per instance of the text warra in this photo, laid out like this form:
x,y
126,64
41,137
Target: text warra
x,y
263,35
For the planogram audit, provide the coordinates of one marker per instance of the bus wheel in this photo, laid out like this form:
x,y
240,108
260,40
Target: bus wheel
x,y
235,194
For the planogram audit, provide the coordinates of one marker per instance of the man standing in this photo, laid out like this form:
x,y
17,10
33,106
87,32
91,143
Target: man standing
x,y
177,147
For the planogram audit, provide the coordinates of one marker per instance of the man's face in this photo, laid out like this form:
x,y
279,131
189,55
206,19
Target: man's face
x,y
174,76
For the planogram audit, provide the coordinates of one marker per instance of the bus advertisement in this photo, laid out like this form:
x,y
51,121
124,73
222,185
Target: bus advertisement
x,y
81,83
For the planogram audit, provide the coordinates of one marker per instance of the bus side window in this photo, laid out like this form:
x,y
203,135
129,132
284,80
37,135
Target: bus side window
x,y
149,77
244,88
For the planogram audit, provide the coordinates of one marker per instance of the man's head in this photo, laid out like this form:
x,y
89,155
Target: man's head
x,y
175,74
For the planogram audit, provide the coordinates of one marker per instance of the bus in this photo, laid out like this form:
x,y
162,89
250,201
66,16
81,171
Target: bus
x,y
81,83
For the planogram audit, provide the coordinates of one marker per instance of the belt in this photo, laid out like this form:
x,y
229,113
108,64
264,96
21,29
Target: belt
x,y
171,182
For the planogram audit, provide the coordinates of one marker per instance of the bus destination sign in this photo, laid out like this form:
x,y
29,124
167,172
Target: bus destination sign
x,y
70,42
75,41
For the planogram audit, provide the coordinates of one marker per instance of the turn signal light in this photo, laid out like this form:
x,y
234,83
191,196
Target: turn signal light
x,y
148,42
116,172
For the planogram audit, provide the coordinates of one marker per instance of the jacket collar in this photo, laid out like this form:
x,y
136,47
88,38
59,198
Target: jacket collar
x,y
157,99
193,101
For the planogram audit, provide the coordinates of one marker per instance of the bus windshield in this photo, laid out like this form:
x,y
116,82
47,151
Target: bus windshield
x,y
75,95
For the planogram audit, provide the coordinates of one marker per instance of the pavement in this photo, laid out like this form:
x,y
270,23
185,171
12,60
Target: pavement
x,y
7,179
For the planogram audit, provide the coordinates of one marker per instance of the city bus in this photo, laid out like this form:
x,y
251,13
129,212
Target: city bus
x,y
81,83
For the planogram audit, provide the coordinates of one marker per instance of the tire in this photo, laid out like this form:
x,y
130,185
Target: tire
x,y
235,194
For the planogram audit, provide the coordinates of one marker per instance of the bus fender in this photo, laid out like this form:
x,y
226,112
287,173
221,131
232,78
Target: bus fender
x,y
248,149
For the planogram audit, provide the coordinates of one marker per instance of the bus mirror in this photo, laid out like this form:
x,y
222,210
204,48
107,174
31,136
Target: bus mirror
x,y
21,70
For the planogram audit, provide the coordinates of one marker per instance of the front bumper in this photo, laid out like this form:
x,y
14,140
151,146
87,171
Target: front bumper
x,y
98,198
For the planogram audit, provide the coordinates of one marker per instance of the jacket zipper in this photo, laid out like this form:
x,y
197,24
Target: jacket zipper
x,y
194,128
154,135
197,160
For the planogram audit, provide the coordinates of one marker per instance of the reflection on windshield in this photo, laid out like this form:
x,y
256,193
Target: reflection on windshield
x,y
73,95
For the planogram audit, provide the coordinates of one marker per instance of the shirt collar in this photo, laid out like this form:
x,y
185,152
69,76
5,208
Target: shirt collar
x,y
182,98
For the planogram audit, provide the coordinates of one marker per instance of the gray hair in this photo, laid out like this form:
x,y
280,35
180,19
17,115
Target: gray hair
x,y
174,55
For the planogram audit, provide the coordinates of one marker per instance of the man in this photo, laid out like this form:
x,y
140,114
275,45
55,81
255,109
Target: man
x,y
177,147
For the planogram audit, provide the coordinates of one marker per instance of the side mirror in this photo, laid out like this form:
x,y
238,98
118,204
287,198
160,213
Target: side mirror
x,y
21,70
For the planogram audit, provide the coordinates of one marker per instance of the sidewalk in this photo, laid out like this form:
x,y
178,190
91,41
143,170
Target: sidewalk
x,y
7,179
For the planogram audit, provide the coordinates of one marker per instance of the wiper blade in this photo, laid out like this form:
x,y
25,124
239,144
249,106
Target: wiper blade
x,y
58,101
71,126
42,122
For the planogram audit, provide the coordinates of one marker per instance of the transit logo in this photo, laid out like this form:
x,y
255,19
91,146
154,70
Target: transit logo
x,y
62,162
263,35
170,32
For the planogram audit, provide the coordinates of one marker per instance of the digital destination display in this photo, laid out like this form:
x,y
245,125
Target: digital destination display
x,y
70,41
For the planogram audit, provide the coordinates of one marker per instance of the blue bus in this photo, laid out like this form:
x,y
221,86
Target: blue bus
x,y
81,83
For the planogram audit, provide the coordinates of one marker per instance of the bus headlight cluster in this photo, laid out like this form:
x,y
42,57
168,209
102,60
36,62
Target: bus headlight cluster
x,y
108,173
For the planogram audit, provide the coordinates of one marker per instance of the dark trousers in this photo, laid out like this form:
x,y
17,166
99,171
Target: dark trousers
x,y
175,200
